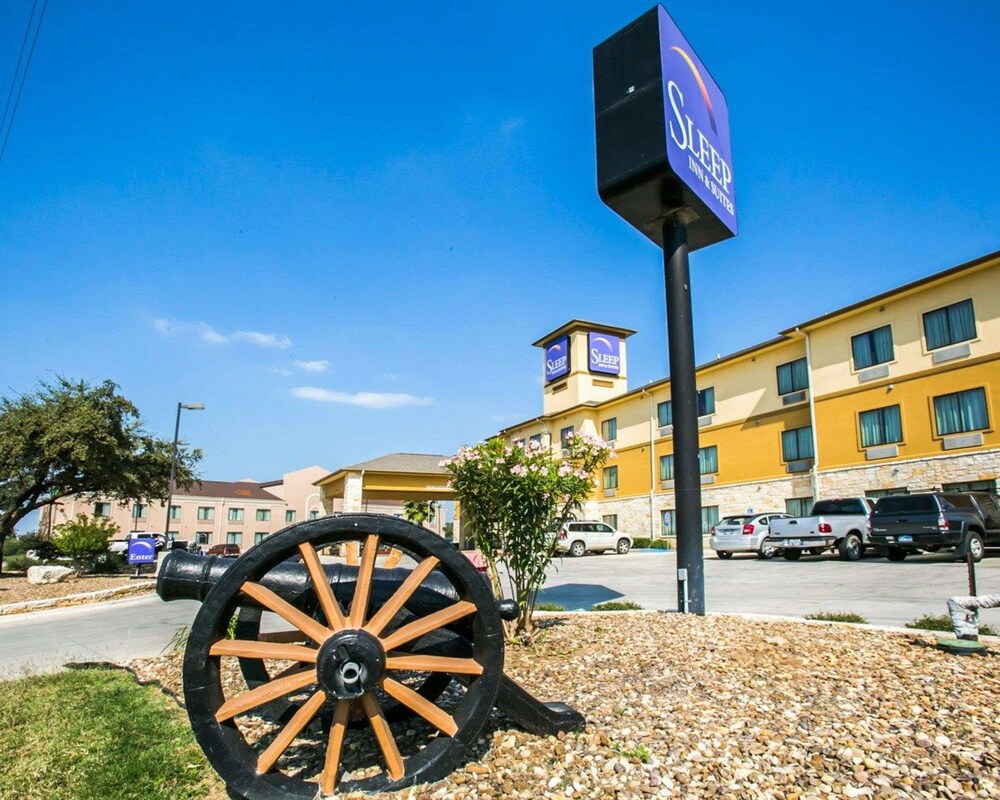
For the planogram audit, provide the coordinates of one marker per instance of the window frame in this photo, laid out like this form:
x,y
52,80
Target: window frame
x,y
263,515
883,431
799,456
795,388
870,333
939,434
206,513
951,341
235,514
609,476
609,426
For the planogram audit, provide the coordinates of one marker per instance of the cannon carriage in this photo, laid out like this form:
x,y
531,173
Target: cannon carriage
x,y
330,651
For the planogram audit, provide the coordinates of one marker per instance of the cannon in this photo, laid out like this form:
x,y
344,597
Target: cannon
x,y
303,678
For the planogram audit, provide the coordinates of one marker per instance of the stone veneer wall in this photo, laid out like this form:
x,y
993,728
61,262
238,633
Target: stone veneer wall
x,y
736,498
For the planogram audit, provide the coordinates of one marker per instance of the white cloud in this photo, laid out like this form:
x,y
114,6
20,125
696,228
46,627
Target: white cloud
x,y
363,399
313,366
208,334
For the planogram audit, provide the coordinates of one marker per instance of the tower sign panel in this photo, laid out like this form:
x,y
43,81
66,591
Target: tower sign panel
x,y
604,353
557,358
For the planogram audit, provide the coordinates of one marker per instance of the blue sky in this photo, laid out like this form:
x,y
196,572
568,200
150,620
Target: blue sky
x,y
341,225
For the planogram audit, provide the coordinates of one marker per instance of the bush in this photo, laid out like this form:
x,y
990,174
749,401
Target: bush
x,y
549,607
18,563
110,564
640,542
942,622
84,540
616,605
661,544
644,543
838,616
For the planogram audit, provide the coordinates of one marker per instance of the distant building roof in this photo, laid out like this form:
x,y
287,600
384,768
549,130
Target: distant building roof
x,y
233,489
400,462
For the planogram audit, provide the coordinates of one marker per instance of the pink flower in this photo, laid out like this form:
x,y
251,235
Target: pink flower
x,y
519,470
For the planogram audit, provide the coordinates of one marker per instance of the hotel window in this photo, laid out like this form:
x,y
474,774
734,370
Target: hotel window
x,y
206,512
611,519
664,414
202,537
102,509
609,429
234,537
536,438
518,443
666,468
314,514
175,512
289,516
706,401
961,412
880,426
709,519
263,515
139,511
793,376
259,537
668,521
610,478
565,433
799,506
949,325
797,444
708,460
972,486
872,347
875,494
236,515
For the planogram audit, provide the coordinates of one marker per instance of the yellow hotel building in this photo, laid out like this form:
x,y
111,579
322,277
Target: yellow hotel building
x,y
895,393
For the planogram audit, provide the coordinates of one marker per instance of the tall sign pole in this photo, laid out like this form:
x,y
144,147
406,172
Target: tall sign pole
x,y
664,164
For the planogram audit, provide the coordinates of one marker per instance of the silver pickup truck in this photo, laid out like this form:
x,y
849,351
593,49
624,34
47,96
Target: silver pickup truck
x,y
839,524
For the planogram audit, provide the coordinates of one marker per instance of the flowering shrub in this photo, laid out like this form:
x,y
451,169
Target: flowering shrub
x,y
512,498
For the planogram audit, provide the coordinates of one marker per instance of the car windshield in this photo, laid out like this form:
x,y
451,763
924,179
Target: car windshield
x,y
905,504
735,520
830,507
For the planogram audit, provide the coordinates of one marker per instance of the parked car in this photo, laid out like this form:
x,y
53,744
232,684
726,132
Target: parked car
x,y
577,537
121,545
840,524
745,533
932,521
224,550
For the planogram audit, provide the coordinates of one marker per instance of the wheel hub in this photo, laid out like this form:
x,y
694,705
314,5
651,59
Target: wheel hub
x,y
350,663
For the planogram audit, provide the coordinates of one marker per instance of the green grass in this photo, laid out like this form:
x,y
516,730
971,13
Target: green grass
x,y
838,616
549,607
97,735
942,622
616,605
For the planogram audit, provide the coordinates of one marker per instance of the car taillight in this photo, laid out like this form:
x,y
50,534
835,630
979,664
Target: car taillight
x,y
942,523
748,529
562,534
712,531
824,527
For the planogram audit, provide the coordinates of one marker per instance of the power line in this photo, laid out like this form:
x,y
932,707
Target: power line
x,y
24,74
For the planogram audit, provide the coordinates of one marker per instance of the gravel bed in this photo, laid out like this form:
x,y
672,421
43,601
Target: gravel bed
x,y
16,589
721,707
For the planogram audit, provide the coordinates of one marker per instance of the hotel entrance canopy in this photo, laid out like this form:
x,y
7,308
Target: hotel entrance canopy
x,y
397,476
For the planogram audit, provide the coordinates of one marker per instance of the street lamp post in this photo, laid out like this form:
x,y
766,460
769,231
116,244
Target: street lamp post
x,y
173,460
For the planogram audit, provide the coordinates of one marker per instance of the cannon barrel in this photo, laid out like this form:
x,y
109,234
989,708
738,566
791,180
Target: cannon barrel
x,y
185,576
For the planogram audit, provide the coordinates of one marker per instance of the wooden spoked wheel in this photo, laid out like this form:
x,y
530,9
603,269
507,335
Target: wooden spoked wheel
x,y
345,655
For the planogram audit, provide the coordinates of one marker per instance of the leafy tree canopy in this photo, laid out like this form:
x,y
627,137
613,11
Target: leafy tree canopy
x,y
72,438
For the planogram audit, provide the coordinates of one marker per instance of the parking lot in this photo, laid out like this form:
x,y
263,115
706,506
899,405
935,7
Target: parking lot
x,y
883,592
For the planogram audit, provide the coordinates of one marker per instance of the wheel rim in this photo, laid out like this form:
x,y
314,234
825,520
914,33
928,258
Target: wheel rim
x,y
853,546
375,657
767,549
976,547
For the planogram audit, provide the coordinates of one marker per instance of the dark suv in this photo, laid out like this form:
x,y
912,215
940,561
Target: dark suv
x,y
910,523
224,550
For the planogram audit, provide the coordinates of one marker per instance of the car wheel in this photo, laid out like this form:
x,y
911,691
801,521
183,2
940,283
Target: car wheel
x,y
577,549
767,550
791,555
974,545
850,547
624,545
895,554
723,554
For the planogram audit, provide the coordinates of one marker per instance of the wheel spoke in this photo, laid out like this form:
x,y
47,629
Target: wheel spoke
x,y
251,649
363,586
285,637
462,666
383,734
295,669
431,622
314,630
416,702
392,606
301,718
321,585
264,694
328,780
394,557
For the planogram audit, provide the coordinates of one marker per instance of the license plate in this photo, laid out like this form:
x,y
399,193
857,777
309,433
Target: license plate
x,y
793,543
905,539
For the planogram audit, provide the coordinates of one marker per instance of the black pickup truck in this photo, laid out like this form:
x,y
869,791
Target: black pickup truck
x,y
911,523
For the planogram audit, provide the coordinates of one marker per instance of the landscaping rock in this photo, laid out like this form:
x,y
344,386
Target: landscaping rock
x,y
39,575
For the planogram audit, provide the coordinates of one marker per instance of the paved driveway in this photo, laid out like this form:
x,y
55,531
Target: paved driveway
x,y
885,593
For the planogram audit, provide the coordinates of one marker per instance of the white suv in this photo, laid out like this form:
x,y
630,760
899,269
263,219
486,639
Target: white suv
x,y
577,537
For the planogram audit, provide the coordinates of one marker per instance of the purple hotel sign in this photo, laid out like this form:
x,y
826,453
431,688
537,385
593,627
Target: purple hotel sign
x,y
557,358
697,124
604,353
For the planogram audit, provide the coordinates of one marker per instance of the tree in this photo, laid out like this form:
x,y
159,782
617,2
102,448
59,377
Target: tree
x,y
84,539
513,498
419,511
72,438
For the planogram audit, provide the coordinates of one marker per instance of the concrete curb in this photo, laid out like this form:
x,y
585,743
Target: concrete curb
x,y
74,599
